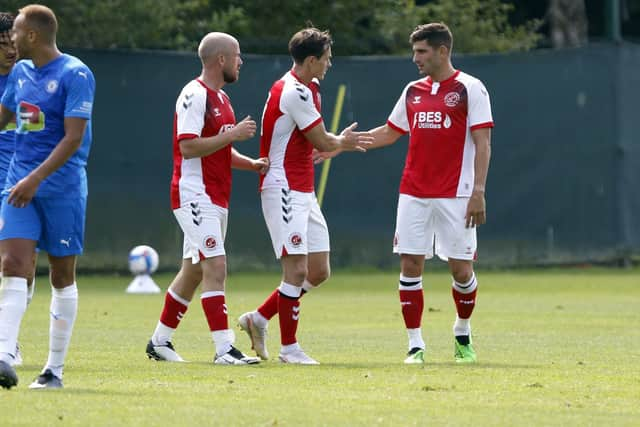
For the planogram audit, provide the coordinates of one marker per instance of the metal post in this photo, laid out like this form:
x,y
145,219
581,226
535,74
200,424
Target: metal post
x,y
612,25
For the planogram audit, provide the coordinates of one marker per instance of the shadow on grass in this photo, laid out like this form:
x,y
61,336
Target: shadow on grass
x,y
274,363
479,365
87,391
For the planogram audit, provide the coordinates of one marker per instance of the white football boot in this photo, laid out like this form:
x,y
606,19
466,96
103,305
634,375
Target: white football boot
x,y
164,352
235,357
297,357
257,335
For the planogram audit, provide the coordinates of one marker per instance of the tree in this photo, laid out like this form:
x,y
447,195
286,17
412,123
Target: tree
x,y
478,26
359,27
568,23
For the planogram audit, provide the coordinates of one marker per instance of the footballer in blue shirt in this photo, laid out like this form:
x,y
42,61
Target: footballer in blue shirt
x,y
8,135
50,95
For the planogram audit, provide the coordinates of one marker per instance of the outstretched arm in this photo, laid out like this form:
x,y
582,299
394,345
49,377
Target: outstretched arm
x,y
384,135
348,140
380,137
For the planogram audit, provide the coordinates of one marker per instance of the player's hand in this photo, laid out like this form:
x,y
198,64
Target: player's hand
x,y
244,130
355,141
476,210
321,156
261,165
22,193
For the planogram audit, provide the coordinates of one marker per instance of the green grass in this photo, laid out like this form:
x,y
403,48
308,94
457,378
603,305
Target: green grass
x,y
559,347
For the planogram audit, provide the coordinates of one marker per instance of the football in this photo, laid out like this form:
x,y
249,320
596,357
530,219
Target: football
x,y
143,259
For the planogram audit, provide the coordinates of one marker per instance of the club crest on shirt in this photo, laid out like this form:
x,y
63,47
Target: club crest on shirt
x,y
295,239
210,242
52,86
451,99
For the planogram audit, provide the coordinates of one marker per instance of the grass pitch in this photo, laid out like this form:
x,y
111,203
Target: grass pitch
x,y
554,348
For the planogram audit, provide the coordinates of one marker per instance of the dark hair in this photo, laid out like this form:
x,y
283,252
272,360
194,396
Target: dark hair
x,y
42,18
436,34
6,22
309,42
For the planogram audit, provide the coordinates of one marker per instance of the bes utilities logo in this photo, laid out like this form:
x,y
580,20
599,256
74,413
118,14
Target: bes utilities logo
x,y
431,120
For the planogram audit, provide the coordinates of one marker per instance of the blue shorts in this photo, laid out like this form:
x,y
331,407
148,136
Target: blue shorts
x,y
56,223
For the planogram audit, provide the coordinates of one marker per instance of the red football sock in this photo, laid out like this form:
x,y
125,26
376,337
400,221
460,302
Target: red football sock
x,y
269,307
464,296
465,303
288,313
172,312
412,303
215,310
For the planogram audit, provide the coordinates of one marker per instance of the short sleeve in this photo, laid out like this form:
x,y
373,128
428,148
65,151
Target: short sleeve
x,y
9,96
398,118
190,111
81,88
297,101
479,107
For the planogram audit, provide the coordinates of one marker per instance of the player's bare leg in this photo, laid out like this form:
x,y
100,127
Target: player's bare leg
x,y
463,290
16,255
176,302
214,274
63,311
187,280
318,270
412,304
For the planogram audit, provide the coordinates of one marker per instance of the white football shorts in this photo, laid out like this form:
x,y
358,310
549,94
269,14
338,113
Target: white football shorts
x,y
204,225
428,226
295,222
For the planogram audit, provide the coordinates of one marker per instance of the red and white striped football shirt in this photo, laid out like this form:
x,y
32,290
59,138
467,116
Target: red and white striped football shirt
x,y
292,108
439,117
201,112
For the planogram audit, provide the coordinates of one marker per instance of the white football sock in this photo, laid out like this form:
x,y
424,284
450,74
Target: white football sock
x,y
289,290
415,338
461,327
13,303
223,340
307,286
162,335
290,348
466,288
63,311
31,288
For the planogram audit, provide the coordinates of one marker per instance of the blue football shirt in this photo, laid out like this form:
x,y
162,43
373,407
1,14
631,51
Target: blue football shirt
x,y
7,140
42,98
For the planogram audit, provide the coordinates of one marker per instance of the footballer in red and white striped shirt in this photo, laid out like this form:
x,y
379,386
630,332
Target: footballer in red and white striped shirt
x,y
447,115
292,127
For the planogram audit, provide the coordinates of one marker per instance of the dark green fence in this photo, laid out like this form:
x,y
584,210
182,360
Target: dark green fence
x,y
563,183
